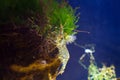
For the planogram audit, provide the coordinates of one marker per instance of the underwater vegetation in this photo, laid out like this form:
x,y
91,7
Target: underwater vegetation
x,y
104,73
33,38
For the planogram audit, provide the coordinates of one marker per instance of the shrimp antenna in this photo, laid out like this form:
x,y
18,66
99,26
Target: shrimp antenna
x,y
82,31
79,45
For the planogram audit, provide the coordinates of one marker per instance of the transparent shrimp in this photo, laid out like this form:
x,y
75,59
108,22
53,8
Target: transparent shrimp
x,y
61,41
94,71
89,50
63,51
63,56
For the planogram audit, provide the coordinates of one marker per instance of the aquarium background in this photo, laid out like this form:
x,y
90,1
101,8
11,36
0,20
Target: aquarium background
x,y
102,19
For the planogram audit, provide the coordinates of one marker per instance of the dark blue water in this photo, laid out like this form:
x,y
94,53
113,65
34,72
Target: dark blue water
x,y
102,19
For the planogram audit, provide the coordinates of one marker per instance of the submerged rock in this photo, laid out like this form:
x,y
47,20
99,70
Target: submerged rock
x,y
24,55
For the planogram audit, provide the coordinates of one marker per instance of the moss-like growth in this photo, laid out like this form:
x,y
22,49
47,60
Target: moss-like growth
x,y
104,73
62,14
33,37
56,13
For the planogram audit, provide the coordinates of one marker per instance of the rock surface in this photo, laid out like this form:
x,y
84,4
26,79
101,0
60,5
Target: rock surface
x,y
25,55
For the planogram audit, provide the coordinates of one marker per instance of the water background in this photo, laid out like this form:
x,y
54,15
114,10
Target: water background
x,y
102,19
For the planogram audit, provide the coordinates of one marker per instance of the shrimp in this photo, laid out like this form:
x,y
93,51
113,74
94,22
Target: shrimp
x,y
63,51
63,56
